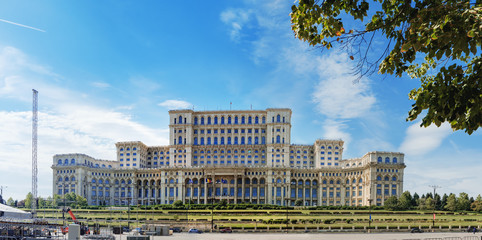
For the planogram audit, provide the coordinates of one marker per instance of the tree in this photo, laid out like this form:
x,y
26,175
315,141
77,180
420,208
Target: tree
x,y
451,203
10,202
463,202
444,201
29,200
415,200
424,37
405,201
299,202
391,203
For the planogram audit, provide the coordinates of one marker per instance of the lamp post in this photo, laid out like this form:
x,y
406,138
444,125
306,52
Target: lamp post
x,y
212,206
433,200
287,212
370,212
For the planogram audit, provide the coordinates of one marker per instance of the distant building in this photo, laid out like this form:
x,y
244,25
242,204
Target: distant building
x,y
238,156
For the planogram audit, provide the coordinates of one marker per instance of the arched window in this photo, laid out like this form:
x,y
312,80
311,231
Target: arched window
x,y
243,120
360,180
264,120
278,118
180,140
66,179
307,182
394,178
195,141
60,179
386,179
235,140
209,120
387,160
72,179
202,120
300,182
107,181
72,161
129,181
256,120
209,141
222,140
195,121
93,180
250,120
242,140
235,119
278,139
229,120
338,182
202,140
180,119
315,183
379,178
215,120
249,141
123,181
229,140
117,182
379,159
222,120
256,140
215,140
66,161
394,160
324,182
347,181
331,181
101,181
59,162
263,140
354,181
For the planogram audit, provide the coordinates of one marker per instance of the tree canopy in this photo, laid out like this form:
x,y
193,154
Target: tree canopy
x,y
437,41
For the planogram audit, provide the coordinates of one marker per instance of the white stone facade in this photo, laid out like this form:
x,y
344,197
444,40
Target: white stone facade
x,y
237,156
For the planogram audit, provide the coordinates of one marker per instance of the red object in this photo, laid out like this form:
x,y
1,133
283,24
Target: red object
x,y
434,216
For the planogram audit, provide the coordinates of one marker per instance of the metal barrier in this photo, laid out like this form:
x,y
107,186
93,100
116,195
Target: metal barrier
x,y
452,238
433,239
471,238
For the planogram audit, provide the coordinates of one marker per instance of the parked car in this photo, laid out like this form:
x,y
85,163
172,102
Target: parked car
x,y
176,229
125,229
226,230
193,230
416,230
472,229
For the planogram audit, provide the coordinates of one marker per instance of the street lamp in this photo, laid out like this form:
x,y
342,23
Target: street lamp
x,y
370,212
287,212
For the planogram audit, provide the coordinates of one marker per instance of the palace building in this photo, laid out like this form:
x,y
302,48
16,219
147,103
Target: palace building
x,y
237,156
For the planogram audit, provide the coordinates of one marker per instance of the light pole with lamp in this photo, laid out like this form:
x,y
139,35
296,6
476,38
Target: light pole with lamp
x,y
369,213
433,200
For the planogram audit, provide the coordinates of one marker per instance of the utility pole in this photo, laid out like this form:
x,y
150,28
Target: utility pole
x,y
34,151
433,200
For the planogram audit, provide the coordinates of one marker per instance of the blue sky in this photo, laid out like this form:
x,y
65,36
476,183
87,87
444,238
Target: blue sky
x,y
109,71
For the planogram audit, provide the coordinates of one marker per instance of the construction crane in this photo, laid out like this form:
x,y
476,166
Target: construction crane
x,y
34,152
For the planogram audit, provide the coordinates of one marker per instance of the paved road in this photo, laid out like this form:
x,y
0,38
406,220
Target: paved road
x,y
306,236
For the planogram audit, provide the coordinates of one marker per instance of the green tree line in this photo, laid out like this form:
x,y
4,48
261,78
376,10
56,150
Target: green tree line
x,y
427,201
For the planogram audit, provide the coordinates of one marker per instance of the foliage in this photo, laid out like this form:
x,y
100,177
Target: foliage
x,y
391,203
435,41
451,202
177,204
29,200
10,202
405,201
299,202
463,202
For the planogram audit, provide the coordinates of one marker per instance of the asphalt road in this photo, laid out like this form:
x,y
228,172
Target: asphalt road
x,y
306,236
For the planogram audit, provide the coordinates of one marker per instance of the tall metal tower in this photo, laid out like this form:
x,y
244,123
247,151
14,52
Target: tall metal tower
x,y
34,152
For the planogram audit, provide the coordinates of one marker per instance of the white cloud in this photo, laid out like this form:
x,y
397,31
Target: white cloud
x,y
336,95
420,140
100,84
175,104
68,123
235,19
